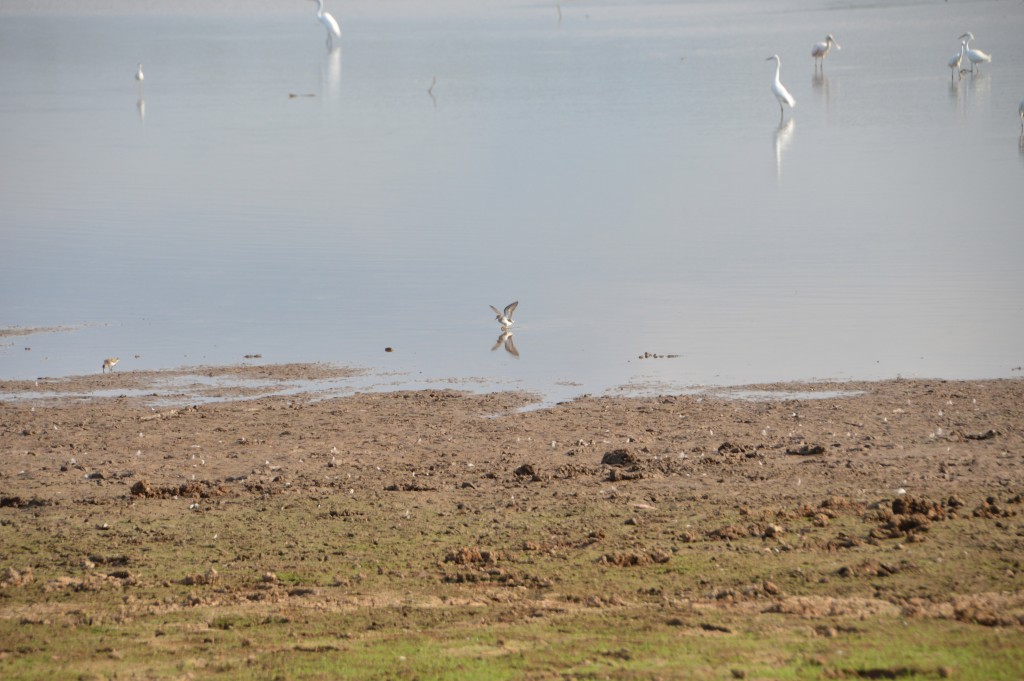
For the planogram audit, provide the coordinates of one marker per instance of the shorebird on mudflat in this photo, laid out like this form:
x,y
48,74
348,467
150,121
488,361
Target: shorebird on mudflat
x,y
109,363
504,317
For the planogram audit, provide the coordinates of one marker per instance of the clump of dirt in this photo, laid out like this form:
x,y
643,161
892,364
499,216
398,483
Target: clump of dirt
x,y
472,555
990,508
635,558
207,578
911,517
622,458
199,489
12,577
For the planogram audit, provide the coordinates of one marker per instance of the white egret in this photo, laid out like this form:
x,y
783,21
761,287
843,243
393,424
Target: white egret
x,y
139,75
821,50
505,317
975,56
781,93
325,18
956,59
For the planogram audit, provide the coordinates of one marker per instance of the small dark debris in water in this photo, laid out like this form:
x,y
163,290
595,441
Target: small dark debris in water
x,y
389,349
292,95
27,349
654,355
254,356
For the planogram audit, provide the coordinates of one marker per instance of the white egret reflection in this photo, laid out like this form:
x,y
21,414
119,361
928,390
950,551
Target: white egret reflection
x,y
331,74
783,138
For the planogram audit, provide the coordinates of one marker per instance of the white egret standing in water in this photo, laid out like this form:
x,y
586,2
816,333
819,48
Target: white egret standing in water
x,y
821,50
141,104
325,18
956,59
781,93
975,56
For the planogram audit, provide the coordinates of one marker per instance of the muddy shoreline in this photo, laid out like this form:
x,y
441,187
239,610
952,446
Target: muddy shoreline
x,y
874,503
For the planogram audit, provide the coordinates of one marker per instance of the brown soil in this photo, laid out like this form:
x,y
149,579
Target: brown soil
x,y
885,466
930,438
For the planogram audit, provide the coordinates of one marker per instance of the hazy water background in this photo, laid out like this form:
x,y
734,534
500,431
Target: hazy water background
x,y
619,169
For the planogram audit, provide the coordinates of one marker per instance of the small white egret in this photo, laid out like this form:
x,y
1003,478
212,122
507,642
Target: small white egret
x,y
975,56
139,75
821,50
956,59
781,93
325,18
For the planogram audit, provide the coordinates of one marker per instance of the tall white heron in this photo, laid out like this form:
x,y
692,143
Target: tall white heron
x,y
780,91
957,59
325,18
975,56
821,50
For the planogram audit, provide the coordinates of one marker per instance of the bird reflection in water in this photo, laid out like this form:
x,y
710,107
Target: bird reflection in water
x,y
505,339
1020,142
331,73
819,83
957,96
783,138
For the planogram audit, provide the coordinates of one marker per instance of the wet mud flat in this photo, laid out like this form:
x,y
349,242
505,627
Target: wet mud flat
x,y
875,532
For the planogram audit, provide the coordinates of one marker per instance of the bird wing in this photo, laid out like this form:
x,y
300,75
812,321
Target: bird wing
x,y
784,93
496,310
510,308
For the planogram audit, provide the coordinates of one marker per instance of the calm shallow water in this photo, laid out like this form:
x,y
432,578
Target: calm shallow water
x,y
620,171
